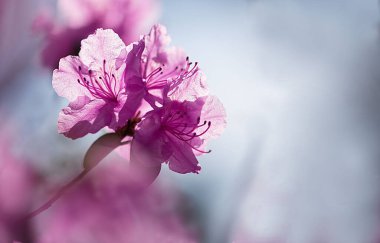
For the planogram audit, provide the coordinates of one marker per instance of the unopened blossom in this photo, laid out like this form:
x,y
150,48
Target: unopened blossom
x,y
92,84
79,18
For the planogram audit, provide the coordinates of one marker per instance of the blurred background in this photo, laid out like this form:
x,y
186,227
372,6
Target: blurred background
x,y
299,161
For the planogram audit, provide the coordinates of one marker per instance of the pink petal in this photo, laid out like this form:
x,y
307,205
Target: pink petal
x,y
130,107
189,89
120,60
176,58
84,116
214,112
103,45
133,82
148,146
156,42
171,60
182,159
133,75
65,78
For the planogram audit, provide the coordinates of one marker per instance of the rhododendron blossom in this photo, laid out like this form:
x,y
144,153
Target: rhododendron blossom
x,y
92,84
148,91
176,132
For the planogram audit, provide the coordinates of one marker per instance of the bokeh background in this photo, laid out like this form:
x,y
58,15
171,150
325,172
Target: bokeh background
x,y
299,161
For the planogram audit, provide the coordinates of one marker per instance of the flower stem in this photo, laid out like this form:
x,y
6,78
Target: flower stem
x,y
58,194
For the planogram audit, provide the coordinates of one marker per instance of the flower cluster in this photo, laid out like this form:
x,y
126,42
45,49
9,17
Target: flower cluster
x,y
148,92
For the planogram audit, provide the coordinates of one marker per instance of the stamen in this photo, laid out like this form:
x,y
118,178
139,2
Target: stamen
x,y
184,131
103,87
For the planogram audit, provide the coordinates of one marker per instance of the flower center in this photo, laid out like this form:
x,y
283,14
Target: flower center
x,y
186,131
129,128
102,85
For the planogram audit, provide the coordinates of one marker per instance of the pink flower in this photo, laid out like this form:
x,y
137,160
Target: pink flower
x,y
151,66
83,17
102,209
176,132
92,84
